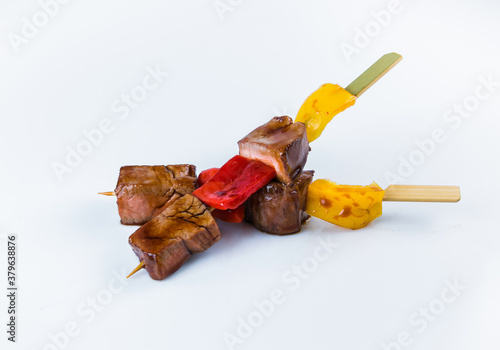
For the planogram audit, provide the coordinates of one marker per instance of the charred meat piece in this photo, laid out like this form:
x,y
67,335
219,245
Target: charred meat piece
x,y
164,243
280,209
280,143
143,192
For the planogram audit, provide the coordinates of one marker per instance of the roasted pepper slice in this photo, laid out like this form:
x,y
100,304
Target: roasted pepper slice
x,y
321,106
235,181
206,175
230,215
347,206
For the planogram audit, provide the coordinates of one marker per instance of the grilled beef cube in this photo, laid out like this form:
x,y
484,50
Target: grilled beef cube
x,y
164,243
280,143
280,209
143,192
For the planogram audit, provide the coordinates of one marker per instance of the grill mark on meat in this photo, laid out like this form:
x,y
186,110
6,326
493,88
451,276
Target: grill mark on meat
x,y
190,222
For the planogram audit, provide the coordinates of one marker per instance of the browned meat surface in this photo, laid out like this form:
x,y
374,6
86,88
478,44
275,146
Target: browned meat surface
x,y
280,143
143,192
280,209
185,227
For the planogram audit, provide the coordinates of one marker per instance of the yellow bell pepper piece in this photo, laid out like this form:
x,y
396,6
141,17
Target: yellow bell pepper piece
x,y
347,206
321,106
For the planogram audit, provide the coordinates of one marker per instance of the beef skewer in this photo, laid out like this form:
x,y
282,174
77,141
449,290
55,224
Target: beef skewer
x,y
172,232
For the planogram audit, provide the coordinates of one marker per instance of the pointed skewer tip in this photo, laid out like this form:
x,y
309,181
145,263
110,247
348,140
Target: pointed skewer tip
x,y
139,267
109,193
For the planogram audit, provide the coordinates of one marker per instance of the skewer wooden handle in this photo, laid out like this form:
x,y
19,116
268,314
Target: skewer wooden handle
x,y
373,74
413,193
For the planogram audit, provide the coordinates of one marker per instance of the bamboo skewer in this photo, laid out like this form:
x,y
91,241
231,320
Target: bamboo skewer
x,y
139,267
373,74
414,193
400,193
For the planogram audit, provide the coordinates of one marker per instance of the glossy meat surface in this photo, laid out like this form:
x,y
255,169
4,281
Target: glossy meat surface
x,y
164,243
280,143
280,209
143,192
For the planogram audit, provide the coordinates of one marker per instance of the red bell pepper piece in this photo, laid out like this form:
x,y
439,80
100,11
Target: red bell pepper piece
x,y
206,175
230,215
235,181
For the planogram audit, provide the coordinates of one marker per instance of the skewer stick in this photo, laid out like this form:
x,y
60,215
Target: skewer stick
x,y
109,193
373,74
413,193
139,267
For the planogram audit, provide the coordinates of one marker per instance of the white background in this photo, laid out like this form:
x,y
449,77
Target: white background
x,y
227,75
